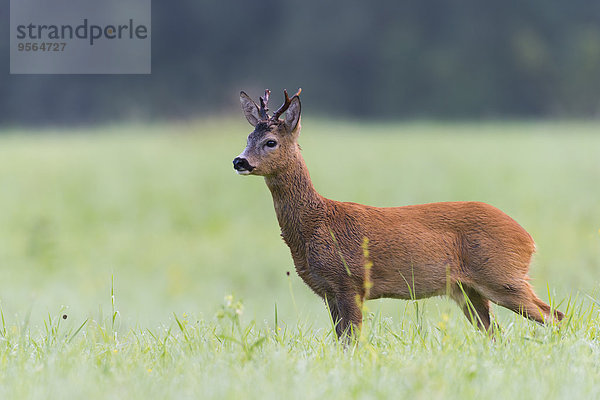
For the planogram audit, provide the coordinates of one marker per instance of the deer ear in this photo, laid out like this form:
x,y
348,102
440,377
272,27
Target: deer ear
x,y
292,115
250,109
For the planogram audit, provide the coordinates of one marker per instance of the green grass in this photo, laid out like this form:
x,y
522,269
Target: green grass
x,y
159,209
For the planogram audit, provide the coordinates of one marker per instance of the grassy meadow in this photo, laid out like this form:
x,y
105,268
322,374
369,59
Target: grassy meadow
x,y
135,264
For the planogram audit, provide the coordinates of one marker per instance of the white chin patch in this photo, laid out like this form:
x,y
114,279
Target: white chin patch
x,y
245,172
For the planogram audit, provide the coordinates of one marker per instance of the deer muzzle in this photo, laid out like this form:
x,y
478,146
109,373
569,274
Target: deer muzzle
x,y
242,166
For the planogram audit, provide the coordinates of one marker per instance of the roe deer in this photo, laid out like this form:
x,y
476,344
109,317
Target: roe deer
x,y
470,251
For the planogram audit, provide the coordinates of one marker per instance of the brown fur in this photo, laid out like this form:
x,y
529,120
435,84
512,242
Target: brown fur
x,y
470,251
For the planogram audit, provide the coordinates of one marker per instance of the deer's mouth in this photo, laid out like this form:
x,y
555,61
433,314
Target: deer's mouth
x,y
242,166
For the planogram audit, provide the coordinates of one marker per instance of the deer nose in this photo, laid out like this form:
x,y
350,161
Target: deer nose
x,y
241,164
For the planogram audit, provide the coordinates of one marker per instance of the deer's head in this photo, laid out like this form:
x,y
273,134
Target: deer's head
x,y
273,143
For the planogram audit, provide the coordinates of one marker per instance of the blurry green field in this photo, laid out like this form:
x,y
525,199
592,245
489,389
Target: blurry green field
x,y
160,209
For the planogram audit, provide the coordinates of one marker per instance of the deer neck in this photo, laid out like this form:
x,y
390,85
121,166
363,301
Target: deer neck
x,y
297,203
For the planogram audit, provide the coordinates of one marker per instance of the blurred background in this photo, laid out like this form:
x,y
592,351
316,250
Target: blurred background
x,y
358,59
431,100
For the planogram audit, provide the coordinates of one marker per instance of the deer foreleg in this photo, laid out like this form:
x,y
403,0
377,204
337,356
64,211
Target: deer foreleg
x,y
346,315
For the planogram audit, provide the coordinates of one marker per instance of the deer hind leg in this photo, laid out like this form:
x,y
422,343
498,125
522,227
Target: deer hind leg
x,y
346,315
475,307
520,298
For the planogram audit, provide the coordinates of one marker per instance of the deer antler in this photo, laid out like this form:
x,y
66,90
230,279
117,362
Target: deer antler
x,y
264,101
285,104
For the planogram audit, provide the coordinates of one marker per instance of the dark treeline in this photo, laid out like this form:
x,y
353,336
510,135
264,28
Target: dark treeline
x,y
375,59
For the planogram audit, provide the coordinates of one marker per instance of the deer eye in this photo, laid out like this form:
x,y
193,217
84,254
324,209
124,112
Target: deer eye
x,y
271,143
